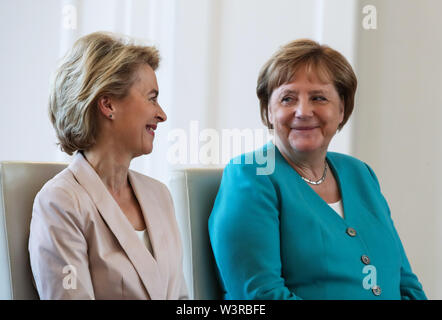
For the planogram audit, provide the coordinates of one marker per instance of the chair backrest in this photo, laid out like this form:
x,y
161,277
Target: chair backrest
x,y
19,184
194,192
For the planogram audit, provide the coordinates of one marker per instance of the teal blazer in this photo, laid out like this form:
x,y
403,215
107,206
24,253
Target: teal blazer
x,y
273,237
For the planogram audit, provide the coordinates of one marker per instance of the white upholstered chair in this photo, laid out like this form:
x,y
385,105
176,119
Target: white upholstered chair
x,y
19,183
194,192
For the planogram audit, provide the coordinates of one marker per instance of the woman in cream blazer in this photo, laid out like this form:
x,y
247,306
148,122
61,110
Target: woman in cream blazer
x,y
98,229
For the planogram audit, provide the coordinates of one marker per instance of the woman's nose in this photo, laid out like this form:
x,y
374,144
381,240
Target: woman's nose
x,y
303,109
161,115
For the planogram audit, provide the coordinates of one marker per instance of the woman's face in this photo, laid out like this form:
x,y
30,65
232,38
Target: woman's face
x,y
136,116
305,114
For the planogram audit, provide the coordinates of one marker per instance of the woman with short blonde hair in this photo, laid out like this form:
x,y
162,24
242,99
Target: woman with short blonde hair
x,y
114,229
99,64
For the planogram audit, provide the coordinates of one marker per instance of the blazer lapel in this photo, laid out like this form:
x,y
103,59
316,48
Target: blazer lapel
x,y
151,213
120,226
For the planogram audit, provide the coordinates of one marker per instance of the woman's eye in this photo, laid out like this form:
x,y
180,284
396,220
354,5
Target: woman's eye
x,y
286,99
319,98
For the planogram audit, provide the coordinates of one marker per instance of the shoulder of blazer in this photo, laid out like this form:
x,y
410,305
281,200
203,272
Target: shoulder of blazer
x,y
65,194
346,163
250,163
155,186
346,160
353,167
149,182
63,182
146,179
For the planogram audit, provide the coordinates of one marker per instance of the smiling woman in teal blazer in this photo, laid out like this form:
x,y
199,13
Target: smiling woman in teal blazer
x,y
317,226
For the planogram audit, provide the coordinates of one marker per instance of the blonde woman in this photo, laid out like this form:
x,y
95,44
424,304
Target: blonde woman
x,y
98,229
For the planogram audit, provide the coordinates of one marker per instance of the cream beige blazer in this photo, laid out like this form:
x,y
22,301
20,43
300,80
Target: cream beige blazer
x,y
82,246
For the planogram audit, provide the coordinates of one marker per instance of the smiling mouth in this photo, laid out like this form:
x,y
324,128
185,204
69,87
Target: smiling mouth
x,y
305,128
151,129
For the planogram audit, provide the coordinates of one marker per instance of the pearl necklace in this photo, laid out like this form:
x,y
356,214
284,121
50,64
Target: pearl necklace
x,y
320,180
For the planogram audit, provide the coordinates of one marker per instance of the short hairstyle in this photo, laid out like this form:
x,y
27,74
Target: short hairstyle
x,y
329,65
98,64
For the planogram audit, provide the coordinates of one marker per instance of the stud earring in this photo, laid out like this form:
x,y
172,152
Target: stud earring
x,y
110,116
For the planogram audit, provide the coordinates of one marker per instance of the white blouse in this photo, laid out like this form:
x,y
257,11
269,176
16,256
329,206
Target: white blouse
x,y
144,237
337,206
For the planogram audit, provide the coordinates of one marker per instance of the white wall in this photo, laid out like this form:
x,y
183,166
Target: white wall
x,y
27,58
398,124
212,52
222,44
34,37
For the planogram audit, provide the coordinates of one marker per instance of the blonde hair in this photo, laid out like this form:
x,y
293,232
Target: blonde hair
x,y
328,63
98,64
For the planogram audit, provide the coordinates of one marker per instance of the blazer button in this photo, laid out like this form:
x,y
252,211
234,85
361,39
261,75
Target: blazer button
x,y
351,232
365,259
376,290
